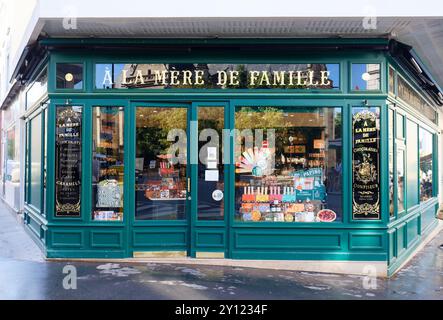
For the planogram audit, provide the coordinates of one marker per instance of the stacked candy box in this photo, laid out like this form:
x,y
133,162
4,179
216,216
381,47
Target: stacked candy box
x,y
275,194
289,194
262,195
248,194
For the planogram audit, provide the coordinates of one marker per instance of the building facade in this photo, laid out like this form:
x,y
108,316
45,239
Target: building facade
x,y
270,149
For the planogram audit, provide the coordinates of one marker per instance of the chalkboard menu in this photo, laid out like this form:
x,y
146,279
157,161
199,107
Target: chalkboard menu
x,y
366,164
68,152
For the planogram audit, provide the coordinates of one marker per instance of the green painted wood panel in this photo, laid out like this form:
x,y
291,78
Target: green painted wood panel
x,y
366,241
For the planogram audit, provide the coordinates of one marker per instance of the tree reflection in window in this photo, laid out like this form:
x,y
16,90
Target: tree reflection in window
x,y
426,165
298,176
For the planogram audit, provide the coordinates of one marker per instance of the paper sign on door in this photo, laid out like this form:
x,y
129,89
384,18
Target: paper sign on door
x,y
212,154
211,175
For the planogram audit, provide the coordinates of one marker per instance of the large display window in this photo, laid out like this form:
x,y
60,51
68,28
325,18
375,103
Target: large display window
x,y
160,164
401,163
400,180
426,162
288,164
391,162
411,168
36,162
108,164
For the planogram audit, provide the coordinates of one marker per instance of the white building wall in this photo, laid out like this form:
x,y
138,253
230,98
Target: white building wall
x,y
14,19
12,170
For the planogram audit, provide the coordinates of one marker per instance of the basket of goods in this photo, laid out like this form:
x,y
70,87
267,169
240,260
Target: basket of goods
x,y
289,217
326,215
309,212
296,207
246,207
256,215
164,171
247,216
264,207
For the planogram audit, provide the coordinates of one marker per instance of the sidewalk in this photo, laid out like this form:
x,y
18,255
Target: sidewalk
x,y
422,278
14,242
24,274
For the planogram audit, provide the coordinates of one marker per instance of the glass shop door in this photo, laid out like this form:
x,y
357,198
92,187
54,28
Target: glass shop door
x,y
209,139
162,184
179,180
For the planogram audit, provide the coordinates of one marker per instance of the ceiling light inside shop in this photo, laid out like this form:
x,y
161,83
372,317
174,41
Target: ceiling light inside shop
x,y
69,77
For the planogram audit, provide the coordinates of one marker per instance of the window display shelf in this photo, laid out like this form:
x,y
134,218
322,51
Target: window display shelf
x,y
166,199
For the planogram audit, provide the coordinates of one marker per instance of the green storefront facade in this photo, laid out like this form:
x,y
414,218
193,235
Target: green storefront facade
x,y
346,168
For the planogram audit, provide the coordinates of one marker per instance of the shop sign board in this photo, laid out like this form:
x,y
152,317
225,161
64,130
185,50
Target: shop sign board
x,y
217,76
68,151
366,165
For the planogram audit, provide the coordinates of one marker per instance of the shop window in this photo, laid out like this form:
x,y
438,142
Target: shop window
x,y
27,155
391,80
36,163
412,177
45,157
426,164
12,167
68,161
391,162
400,126
210,132
161,163
110,76
288,164
401,161
69,76
107,163
365,76
400,180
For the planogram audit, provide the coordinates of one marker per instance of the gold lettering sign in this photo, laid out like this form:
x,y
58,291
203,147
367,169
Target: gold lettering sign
x,y
365,165
217,76
68,150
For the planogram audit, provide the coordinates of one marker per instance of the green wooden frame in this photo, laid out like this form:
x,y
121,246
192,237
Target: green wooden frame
x,y
357,239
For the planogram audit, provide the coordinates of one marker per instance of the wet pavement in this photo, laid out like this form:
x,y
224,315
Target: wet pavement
x,y
34,278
